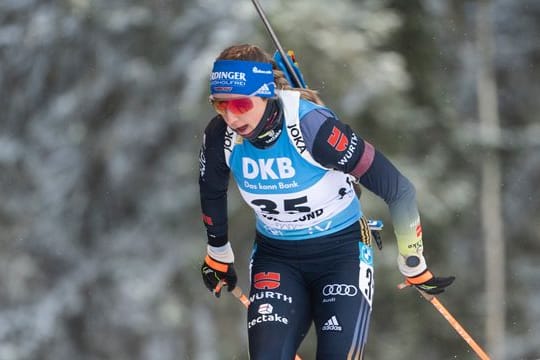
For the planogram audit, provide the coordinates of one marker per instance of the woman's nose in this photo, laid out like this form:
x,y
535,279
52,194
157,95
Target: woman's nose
x,y
230,118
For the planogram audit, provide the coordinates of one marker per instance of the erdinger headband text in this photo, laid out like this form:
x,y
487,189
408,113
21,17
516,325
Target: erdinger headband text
x,y
242,77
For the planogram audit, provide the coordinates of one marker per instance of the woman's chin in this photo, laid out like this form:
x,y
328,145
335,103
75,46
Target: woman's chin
x,y
245,132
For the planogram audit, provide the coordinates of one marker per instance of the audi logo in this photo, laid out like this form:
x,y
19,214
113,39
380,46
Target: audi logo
x,y
339,290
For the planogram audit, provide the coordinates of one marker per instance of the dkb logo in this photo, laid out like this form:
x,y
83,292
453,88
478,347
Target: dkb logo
x,y
279,168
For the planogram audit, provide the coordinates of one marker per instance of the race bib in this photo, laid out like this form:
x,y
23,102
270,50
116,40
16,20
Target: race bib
x,y
366,279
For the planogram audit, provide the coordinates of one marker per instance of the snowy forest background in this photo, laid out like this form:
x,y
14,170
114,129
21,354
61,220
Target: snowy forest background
x,y
103,103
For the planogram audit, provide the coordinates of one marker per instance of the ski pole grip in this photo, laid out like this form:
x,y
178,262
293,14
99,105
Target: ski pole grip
x,y
239,294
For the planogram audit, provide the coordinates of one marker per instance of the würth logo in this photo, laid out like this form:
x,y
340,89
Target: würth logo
x,y
338,140
266,280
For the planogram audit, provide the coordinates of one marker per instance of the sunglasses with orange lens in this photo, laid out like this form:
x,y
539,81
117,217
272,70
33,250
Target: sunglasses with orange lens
x,y
236,106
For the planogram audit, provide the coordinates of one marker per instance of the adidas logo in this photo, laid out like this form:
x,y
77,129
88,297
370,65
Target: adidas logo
x,y
264,90
331,325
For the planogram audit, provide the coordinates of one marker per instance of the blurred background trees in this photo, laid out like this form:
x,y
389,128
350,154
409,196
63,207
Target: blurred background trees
x,y
103,106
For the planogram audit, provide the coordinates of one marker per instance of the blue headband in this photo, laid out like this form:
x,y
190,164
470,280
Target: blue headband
x,y
241,77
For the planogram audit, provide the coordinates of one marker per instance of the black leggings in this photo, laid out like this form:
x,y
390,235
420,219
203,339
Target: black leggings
x,y
327,280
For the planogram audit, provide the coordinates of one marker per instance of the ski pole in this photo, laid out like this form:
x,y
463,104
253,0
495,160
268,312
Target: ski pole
x,y
277,43
453,322
239,294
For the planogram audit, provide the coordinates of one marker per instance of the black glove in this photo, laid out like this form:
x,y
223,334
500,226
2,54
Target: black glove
x,y
429,283
214,271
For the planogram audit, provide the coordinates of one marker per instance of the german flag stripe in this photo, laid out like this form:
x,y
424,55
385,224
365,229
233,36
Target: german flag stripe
x,y
365,232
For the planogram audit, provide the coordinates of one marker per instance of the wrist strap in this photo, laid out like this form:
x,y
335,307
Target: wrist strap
x,y
420,279
216,265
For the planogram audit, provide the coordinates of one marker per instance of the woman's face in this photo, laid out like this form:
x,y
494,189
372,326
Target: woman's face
x,y
241,113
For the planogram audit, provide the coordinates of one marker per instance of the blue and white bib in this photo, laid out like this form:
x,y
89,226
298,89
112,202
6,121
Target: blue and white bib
x,y
293,197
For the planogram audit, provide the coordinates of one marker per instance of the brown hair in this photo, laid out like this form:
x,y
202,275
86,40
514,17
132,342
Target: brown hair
x,y
255,53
